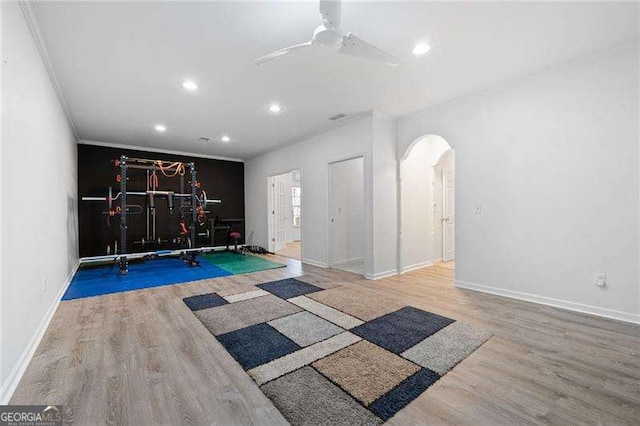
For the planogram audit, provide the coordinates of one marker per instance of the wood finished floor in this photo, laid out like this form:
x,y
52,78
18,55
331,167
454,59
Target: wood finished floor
x,y
143,358
292,249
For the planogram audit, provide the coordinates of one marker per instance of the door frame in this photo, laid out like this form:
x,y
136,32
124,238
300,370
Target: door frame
x,y
330,203
271,228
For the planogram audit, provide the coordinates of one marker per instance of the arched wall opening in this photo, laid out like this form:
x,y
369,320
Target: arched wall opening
x,y
426,228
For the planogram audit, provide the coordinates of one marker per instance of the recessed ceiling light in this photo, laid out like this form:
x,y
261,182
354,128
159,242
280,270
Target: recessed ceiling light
x,y
275,108
225,138
160,128
421,49
189,85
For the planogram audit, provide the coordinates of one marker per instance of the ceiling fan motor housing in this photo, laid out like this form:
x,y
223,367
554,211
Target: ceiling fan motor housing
x,y
326,36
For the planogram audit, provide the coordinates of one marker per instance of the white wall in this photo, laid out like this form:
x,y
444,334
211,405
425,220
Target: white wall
x,y
347,211
384,220
553,162
39,219
374,138
312,157
3,386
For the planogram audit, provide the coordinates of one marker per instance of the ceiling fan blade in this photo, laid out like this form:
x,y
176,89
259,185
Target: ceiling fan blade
x,y
354,46
330,11
280,53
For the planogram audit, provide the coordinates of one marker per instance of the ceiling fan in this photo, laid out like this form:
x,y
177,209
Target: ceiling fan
x,y
329,34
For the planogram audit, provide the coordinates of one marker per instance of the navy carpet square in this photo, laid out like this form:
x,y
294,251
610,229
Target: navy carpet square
x,y
288,288
399,397
256,345
204,301
402,329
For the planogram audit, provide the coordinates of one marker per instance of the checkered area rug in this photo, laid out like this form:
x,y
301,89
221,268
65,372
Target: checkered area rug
x,y
334,356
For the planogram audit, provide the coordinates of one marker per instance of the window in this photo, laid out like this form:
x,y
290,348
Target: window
x,y
296,196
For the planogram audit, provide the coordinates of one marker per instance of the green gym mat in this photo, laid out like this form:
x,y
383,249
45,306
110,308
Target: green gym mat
x,y
235,263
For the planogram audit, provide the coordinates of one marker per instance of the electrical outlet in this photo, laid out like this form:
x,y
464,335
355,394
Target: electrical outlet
x,y
44,285
599,279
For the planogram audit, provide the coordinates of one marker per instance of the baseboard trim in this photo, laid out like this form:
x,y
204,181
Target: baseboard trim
x,y
344,262
10,385
315,263
381,275
556,303
415,266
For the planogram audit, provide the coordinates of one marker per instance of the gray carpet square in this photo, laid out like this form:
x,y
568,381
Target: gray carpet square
x,y
327,312
305,328
305,397
289,287
234,316
443,350
204,301
237,297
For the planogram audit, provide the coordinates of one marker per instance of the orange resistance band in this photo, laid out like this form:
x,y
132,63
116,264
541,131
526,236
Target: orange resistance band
x,y
184,228
153,180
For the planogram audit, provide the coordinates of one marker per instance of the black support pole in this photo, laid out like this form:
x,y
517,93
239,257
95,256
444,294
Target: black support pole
x,y
123,214
194,214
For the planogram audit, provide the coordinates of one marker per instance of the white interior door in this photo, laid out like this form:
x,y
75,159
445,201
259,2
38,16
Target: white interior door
x,y
338,222
448,212
346,209
279,214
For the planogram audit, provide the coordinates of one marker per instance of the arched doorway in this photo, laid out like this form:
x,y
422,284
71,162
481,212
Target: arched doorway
x,y
426,228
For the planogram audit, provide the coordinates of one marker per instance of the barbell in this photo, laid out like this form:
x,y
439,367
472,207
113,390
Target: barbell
x,y
110,198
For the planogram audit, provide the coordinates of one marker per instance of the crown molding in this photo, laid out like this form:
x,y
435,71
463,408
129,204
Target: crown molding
x,y
30,17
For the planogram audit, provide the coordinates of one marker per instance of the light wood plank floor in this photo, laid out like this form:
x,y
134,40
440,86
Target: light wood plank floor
x,y
292,249
143,358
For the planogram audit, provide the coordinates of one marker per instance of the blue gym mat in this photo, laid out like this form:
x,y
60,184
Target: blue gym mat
x,y
99,280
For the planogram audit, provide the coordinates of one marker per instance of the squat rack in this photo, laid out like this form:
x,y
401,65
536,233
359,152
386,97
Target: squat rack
x,y
189,201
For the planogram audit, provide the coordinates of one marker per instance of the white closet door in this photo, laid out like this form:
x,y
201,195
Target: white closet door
x,y
448,214
280,215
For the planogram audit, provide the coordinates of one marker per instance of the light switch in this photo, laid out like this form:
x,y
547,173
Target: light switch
x,y
599,279
477,209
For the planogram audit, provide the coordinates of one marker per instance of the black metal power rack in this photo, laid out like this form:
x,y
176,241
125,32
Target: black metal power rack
x,y
190,202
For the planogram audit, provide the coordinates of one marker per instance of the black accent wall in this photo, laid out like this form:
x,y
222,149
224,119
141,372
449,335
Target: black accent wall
x,y
220,179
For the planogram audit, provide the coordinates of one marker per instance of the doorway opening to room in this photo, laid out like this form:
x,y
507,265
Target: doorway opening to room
x,y
285,214
427,231
346,215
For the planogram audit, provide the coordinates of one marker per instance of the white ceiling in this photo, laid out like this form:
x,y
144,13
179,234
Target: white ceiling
x,y
120,65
